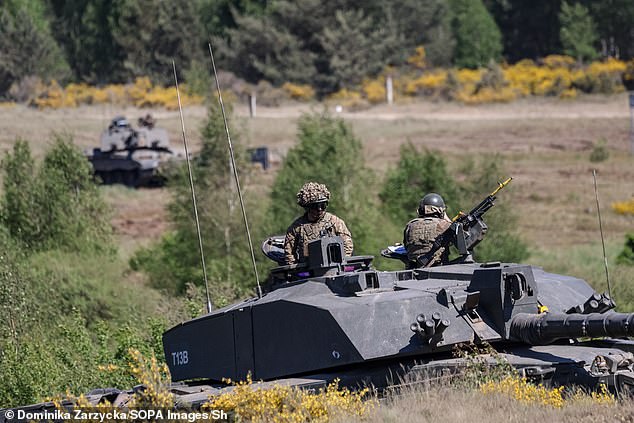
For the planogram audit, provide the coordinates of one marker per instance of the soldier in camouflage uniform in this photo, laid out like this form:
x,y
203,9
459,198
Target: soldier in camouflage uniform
x,y
316,222
420,233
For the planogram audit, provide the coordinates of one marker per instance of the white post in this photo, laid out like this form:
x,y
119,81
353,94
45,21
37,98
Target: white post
x,y
252,104
389,92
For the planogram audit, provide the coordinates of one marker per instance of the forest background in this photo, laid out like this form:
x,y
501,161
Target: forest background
x,y
76,300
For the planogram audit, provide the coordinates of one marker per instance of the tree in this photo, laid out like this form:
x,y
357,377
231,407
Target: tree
x,y
153,33
333,44
26,46
84,28
416,174
615,25
328,152
530,28
578,32
478,39
355,47
176,261
57,206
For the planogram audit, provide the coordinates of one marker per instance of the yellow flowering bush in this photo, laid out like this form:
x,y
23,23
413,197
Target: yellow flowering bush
x,y
554,75
374,90
419,58
285,404
555,61
624,207
299,92
348,99
427,83
525,392
521,390
155,378
141,94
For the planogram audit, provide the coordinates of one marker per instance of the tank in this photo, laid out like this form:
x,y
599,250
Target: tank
x,y
133,156
338,317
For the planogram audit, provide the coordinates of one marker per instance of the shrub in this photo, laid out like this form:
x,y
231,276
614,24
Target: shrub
x,y
281,403
624,207
416,174
374,90
600,152
57,205
626,256
299,92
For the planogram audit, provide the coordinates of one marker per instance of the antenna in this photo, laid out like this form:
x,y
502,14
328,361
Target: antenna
x,y
191,185
605,258
235,171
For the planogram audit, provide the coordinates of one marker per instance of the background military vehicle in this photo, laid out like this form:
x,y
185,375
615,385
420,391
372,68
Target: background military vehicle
x,y
133,156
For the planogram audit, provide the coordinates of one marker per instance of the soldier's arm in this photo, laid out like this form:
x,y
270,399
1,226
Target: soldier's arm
x,y
290,242
342,230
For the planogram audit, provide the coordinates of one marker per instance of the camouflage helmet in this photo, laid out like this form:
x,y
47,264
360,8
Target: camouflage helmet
x,y
431,204
311,193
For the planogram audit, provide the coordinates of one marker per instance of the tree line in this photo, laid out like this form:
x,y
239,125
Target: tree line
x,y
329,44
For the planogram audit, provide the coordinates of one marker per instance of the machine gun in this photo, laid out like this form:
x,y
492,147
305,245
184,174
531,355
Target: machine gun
x,y
466,231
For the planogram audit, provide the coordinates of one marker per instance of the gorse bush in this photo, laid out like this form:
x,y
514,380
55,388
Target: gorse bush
x,y
489,81
624,207
248,402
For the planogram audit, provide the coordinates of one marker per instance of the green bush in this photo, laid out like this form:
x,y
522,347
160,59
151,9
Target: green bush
x,y
55,205
416,174
626,256
600,152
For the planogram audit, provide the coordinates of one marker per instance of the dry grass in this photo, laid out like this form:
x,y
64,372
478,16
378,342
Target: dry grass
x,y
439,404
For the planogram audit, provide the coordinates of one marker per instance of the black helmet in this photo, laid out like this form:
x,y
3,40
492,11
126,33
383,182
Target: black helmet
x,y
431,199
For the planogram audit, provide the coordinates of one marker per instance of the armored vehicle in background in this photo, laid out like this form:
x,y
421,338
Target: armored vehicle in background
x,y
133,156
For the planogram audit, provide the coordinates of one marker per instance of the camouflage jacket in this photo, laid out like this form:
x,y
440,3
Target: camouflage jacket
x,y
419,236
302,231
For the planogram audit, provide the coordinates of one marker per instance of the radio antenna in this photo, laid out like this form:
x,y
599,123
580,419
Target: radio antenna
x,y
191,185
605,257
235,170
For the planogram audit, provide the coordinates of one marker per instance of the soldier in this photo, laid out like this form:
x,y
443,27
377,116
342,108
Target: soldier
x,y
420,233
316,222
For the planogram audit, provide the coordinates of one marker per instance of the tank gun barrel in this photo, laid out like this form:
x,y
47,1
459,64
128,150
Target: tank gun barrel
x,y
539,329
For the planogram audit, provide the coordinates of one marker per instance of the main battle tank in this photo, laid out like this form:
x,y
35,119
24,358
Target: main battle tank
x,y
337,317
133,156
